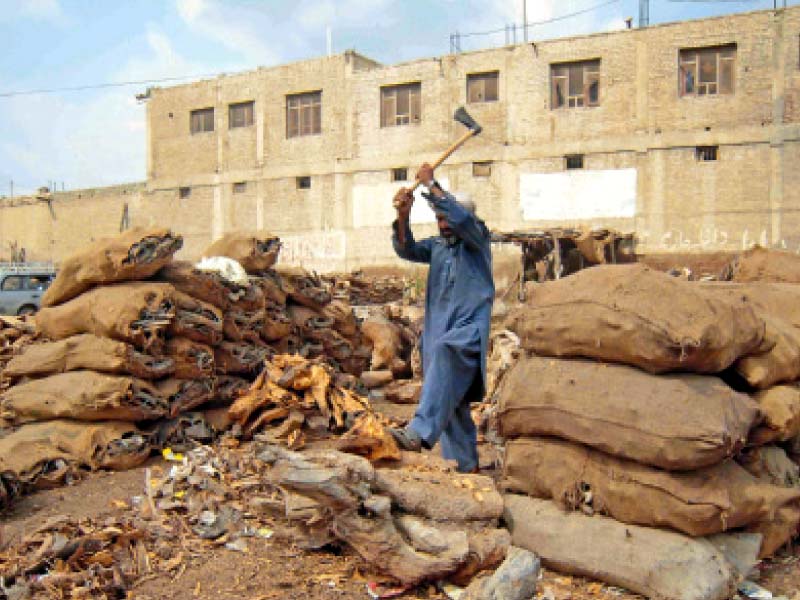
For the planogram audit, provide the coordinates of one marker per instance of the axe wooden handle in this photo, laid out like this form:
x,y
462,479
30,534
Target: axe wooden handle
x,y
455,146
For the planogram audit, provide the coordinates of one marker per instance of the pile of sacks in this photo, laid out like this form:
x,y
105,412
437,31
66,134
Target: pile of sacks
x,y
636,408
132,340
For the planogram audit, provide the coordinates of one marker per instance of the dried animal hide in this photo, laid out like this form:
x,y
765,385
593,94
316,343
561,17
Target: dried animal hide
x,y
83,396
87,351
208,286
240,326
135,254
139,313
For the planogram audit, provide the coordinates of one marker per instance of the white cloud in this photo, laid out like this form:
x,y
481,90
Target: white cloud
x,y
37,10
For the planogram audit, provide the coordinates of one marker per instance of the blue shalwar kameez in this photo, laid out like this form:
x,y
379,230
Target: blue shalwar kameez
x,y
458,307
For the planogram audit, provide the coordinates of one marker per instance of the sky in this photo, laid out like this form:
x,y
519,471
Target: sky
x,y
96,136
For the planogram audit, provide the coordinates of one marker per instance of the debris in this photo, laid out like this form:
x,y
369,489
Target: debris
x,y
514,579
754,591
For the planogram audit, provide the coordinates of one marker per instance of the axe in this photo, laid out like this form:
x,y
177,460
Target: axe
x,y
473,129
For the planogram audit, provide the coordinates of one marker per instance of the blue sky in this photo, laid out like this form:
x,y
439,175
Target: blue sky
x,y
96,137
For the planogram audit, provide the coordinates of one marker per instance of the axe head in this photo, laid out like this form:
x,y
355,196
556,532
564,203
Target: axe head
x,y
462,116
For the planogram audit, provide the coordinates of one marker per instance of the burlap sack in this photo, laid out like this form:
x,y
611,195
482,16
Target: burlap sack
x,y
777,300
780,406
132,255
87,351
185,394
771,464
385,339
33,451
243,326
781,363
240,358
765,265
255,251
702,502
138,313
653,562
634,315
196,320
192,359
83,396
208,286
675,422
778,530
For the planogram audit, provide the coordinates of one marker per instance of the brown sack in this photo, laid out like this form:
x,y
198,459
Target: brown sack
x,y
83,396
185,394
674,422
702,502
135,254
208,286
771,464
765,265
196,320
777,300
87,351
778,364
780,406
192,360
634,315
653,562
138,313
385,338
30,451
778,530
255,251
240,358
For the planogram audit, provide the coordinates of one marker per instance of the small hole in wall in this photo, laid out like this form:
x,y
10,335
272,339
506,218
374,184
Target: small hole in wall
x,y
170,115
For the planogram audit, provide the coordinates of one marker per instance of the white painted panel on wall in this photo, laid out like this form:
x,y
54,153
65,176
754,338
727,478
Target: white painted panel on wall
x,y
372,204
299,249
577,195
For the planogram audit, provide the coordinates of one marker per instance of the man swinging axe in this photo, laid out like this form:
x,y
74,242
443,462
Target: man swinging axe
x,y
458,307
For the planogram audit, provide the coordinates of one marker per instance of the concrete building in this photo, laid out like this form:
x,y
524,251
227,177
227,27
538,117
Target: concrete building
x,y
686,133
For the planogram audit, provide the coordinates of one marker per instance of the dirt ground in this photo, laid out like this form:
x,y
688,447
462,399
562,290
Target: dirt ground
x,y
274,568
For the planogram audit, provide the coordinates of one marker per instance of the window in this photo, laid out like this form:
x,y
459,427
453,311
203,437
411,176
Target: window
x,y
400,174
202,120
706,153
38,282
241,114
303,114
184,192
707,71
482,87
574,161
12,283
575,84
400,104
240,187
304,183
482,169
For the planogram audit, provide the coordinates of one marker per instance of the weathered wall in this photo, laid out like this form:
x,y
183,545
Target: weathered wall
x,y
640,170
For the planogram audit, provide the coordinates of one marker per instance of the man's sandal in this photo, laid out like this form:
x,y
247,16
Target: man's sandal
x,y
407,439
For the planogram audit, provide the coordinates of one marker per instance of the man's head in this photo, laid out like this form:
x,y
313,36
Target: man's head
x,y
444,227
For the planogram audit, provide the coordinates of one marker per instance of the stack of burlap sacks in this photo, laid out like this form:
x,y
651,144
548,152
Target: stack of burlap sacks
x,y
624,413
136,340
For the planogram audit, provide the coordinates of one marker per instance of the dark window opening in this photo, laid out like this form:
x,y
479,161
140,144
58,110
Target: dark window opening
x,y
241,114
400,174
240,187
184,192
574,161
482,87
303,114
573,85
12,283
202,120
304,183
482,169
706,153
707,71
400,104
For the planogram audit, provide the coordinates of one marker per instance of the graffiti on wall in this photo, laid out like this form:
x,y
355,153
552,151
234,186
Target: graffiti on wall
x,y
313,248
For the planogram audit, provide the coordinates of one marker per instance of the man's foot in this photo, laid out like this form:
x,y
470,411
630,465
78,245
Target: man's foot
x,y
407,439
